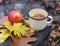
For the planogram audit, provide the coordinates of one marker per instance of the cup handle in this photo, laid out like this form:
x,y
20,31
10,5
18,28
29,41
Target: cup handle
x,y
50,20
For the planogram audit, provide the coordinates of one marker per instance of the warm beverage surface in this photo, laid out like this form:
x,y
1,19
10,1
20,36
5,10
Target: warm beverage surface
x,y
39,16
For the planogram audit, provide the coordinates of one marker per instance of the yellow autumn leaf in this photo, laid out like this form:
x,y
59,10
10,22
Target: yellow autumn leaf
x,y
3,30
27,21
3,35
8,26
23,29
31,30
18,28
2,40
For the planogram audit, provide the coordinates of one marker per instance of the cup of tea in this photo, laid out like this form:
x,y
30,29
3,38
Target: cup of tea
x,y
38,19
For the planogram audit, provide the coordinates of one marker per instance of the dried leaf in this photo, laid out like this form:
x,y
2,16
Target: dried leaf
x,y
56,22
58,8
23,41
3,19
56,30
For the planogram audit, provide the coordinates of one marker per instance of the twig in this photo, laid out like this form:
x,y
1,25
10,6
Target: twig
x,y
55,43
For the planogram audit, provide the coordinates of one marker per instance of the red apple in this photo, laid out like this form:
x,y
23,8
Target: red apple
x,y
15,16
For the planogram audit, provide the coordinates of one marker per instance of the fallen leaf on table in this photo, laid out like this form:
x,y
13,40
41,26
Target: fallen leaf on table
x,y
27,21
8,26
3,19
23,41
55,33
58,8
18,28
3,35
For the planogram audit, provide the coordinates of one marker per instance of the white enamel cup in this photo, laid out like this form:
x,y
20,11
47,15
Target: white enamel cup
x,y
38,24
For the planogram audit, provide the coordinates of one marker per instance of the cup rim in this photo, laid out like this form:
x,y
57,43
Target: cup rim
x,y
35,18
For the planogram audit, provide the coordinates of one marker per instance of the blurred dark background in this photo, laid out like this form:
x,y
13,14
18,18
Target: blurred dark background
x,y
52,6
